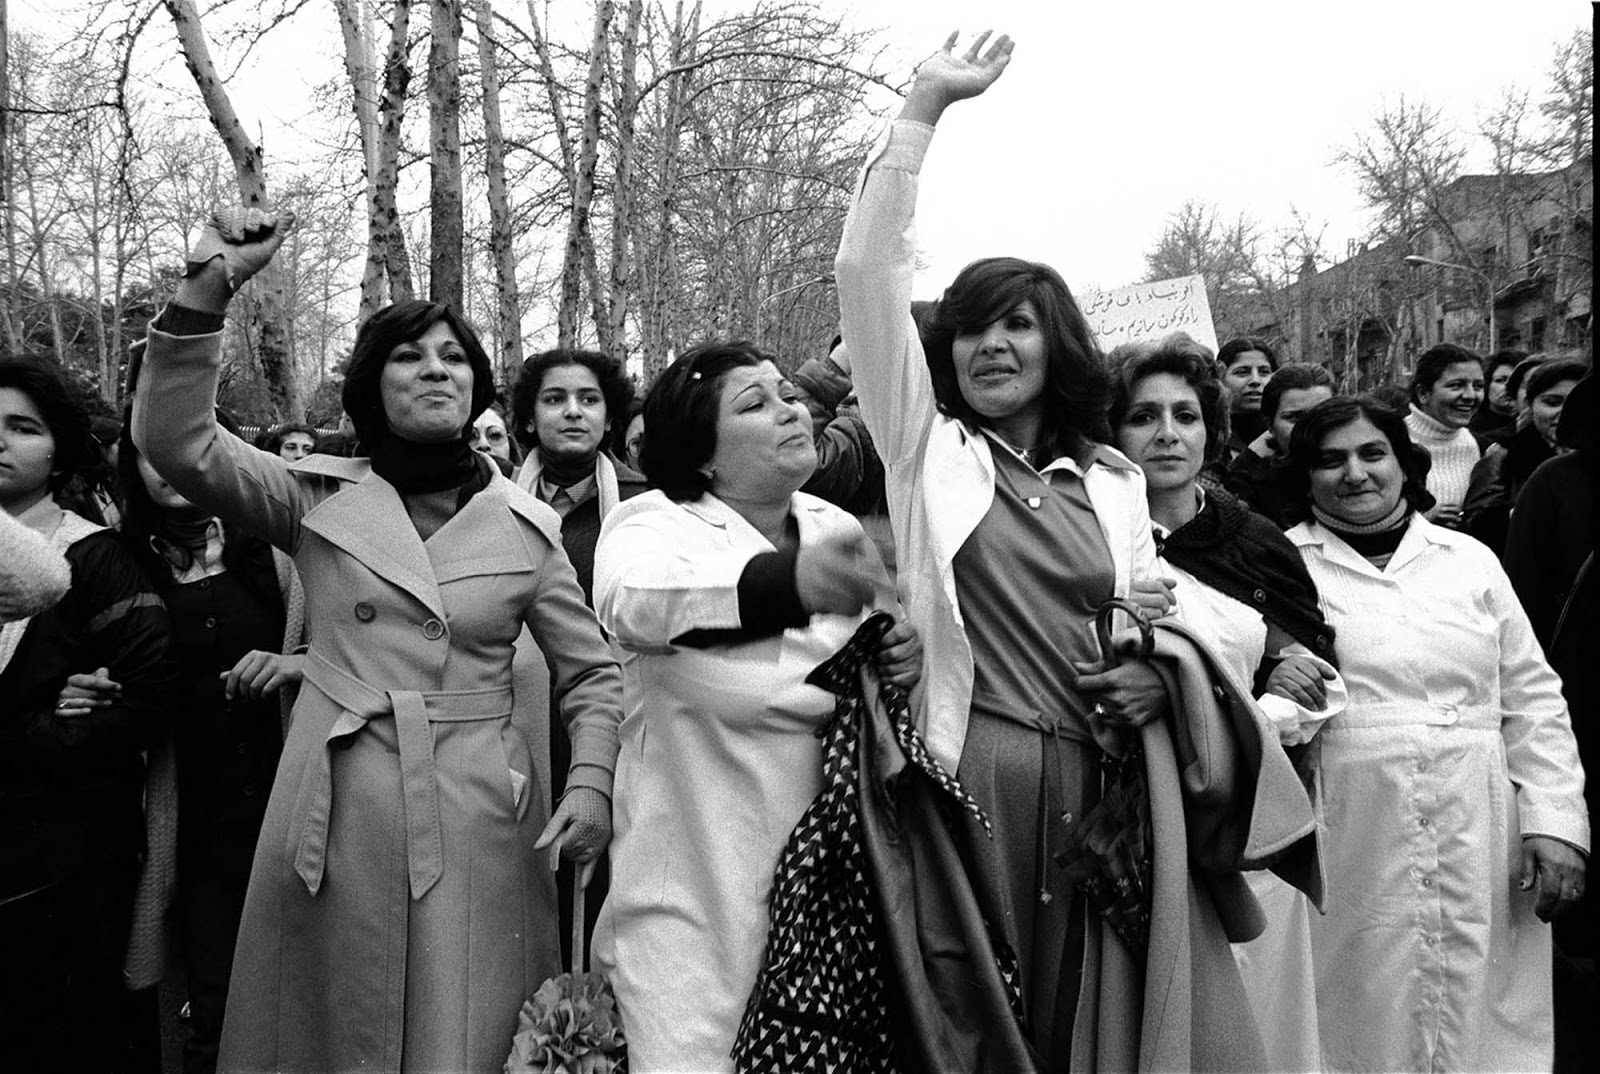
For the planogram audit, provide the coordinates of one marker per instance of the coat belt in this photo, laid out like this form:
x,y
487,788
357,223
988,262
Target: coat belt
x,y
414,711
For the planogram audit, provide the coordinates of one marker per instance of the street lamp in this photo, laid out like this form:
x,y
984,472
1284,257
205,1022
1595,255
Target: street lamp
x,y
1415,260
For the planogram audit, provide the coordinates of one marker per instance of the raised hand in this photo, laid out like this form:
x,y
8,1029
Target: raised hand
x,y
945,77
234,245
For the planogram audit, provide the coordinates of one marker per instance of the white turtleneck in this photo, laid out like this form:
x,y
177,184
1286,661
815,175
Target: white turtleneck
x,y
1454,451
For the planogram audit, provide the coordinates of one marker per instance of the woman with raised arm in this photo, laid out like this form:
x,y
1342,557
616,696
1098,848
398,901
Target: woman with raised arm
x,y
1014,523
398,912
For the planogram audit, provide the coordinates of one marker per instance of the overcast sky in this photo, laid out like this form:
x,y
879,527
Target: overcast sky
x,y
1111,113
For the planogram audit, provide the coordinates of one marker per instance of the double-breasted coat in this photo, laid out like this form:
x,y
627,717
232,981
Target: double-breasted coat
x,y
397,913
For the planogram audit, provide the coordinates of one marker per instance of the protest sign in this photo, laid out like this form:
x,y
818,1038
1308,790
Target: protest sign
x,y
1148,311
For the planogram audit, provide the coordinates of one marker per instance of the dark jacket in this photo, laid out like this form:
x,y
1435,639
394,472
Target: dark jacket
x,y
71,789
1258,480
1496,480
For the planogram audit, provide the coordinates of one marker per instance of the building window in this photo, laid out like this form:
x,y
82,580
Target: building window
x,y
1536,332
1438,330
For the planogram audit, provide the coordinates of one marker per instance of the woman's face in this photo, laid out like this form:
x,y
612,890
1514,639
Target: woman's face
x,y
634,439
1497,389
1545,409
1455,396
569,415
1244,378
1001,368
1292,405
426,387
27,448
296,446
764,449
162,494
1356,476
489,435
1164,431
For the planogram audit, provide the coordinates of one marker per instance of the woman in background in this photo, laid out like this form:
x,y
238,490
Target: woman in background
x,y
1452,791
1446,391
71,783
1247,364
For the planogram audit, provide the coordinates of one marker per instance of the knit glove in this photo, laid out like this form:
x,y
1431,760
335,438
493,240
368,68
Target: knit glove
x,y
579,831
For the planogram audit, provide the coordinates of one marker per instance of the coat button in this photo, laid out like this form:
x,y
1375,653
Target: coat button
x,y
433,630
211,622
1260,595
365,612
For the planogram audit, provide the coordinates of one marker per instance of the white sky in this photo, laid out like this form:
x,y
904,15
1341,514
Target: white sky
x,y
1111,114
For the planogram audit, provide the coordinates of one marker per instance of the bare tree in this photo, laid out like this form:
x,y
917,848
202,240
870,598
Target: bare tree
x,y
1198,241
444,123
269,335
501,246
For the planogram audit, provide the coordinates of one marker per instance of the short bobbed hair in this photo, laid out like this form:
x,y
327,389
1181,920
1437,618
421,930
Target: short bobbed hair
x,y
276,437
1182,356
680,416
1506,357
65,413
1314,426
1432,364
1076,386
608,372
385,330
1294,377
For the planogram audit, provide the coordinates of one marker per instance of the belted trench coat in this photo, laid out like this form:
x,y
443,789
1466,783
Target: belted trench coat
x,y
397,914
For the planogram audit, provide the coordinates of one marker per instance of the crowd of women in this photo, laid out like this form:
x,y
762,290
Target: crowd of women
x,y
348,731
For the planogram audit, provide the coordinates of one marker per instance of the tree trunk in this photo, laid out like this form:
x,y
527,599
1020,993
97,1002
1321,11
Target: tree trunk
x,y
8,222
500,247
391,112
579,239
360,69
444,125
622,194
270,330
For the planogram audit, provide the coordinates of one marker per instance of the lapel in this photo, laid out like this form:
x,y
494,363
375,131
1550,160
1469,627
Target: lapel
x,y
368,521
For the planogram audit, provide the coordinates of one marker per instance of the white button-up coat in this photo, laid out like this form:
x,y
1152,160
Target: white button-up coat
x,y
1455,744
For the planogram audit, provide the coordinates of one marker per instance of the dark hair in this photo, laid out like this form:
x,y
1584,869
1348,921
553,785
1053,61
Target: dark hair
x,y
274,439
680,416
64,410
1554,372
1507,356
385,330
342,445
1076,386
246,555
1521,372
1432,364
1182,356
1294,377
608,373
619,429
1305,445
1229,352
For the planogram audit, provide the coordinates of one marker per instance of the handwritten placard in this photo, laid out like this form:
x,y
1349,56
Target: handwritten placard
x,y
1148,311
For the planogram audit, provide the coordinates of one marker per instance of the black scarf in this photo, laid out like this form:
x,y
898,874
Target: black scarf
x,y
413,467
180,534
1241,554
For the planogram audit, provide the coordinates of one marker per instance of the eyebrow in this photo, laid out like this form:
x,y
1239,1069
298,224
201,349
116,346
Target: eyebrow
x,y
748,388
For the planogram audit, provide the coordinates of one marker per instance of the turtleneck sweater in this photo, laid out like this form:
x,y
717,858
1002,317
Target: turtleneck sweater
x,y
1454,453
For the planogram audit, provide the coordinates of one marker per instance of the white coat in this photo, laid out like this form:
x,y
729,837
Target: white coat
x,y
719,759
1455,744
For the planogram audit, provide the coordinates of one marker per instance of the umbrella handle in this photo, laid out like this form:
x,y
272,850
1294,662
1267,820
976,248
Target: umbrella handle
x,y
577,919
1102,625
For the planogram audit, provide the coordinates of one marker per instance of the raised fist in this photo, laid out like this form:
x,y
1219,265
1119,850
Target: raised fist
x,y
243,239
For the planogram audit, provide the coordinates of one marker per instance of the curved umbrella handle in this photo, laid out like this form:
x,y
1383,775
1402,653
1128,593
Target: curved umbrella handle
x,y
1102,627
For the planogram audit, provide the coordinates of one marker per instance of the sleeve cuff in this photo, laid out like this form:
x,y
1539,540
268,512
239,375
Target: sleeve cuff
x,y
177,320
769,602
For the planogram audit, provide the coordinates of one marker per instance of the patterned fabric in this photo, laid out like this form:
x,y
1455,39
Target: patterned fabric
x,y
820,1003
